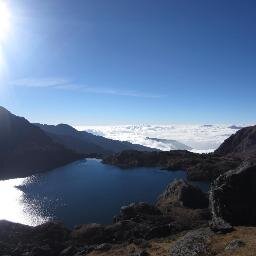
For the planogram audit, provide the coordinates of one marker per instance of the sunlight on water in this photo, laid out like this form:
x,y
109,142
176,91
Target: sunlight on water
x,y
14,206
77,193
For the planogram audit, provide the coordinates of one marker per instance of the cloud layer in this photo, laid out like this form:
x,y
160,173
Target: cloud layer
x,y
201,138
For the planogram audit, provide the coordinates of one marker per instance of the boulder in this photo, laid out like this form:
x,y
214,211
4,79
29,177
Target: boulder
x,y
185,204
231,196
181,193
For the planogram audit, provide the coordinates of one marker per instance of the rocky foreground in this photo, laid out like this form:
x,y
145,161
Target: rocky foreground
x,y
183,222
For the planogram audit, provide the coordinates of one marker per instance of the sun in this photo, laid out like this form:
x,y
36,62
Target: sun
x,y
4,20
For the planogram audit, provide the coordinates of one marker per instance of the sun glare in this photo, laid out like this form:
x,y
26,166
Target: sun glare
x,y
4,20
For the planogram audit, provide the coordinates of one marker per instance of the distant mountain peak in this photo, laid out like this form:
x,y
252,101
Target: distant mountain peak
x,y
4,110
235,127
66,127
63,129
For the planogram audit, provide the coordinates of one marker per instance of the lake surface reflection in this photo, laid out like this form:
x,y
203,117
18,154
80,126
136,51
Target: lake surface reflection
x,y
82,192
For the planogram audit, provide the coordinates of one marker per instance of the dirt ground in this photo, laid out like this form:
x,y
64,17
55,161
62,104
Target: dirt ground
x,y
217,245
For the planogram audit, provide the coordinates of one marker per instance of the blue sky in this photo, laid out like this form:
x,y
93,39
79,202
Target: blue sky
x,y
130,61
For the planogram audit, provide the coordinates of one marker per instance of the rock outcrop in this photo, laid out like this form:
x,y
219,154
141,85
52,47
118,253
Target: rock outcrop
x,y
185,204
25,149
231,196
242,143
181,193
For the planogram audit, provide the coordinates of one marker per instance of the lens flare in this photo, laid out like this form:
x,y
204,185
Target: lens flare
x,y
5,27
5,23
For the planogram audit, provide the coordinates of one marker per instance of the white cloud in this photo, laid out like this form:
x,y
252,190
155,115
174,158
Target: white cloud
x,y
42,82
110,91
200,138
65,84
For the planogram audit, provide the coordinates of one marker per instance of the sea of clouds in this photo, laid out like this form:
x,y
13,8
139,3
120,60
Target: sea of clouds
x,y
201,138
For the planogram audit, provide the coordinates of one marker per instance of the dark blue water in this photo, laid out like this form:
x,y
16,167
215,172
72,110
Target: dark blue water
x,y
89,191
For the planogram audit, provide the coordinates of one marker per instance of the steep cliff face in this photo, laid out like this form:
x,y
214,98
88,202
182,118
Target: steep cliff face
x,y
25,149
242,143
231,196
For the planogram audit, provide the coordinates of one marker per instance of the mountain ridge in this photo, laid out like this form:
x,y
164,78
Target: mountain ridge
x,y
87,143
25,149
243,142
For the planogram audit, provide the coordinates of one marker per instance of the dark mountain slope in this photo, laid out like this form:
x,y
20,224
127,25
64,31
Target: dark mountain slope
x,y
71,138
87,143
25,149
242,143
